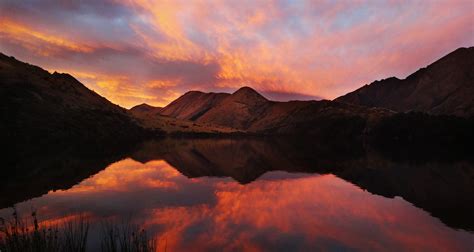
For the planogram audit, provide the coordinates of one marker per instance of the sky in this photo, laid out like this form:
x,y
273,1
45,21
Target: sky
x,y
145,51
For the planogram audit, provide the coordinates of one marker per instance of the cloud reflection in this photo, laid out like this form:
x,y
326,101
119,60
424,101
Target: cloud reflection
x,y
277,212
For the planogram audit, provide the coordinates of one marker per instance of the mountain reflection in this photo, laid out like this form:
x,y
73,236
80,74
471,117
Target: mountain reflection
x,y
444,188
254,194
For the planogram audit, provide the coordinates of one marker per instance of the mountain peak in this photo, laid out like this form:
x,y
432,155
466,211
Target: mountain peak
x,y
144,109
193,92
248,93
143,106
246,89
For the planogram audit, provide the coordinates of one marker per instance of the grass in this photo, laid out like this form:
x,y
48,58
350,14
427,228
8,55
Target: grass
x,y
28,235
125,237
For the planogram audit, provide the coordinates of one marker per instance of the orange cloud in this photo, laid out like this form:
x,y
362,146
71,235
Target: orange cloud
x,y
41,43
161,83
122,90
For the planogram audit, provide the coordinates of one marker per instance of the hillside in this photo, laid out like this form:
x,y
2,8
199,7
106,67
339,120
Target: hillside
x,y
192,105
170,125
37,107
446,87
238,110
247,110
145,110
151,118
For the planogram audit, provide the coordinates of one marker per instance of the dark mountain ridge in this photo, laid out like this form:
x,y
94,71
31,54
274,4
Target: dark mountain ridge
x,y
445,87
39,107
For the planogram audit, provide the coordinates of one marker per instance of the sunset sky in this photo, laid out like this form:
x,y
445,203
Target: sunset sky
x,y
136,51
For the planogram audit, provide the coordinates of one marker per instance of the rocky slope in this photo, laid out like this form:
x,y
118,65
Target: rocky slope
x,y
446,87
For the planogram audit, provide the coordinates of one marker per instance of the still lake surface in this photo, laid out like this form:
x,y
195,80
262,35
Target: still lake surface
x,y
230,195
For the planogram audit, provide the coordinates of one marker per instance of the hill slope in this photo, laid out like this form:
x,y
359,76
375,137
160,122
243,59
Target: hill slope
x,y
37,106
192,104
237,110
249,111
145,110
444,87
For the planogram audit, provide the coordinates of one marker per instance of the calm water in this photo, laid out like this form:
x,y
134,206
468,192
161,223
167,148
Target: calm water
x,y
214,195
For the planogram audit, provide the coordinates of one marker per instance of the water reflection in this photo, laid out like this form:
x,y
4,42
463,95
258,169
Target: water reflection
x,y
258,195
445,188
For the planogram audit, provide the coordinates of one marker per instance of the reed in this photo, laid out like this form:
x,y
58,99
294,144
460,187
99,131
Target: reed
x,y
125,237
26,234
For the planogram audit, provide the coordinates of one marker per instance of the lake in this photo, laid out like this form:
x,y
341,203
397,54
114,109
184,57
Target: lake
x,y
262,195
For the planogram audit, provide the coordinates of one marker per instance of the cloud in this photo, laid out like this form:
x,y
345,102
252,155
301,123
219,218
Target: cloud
x,y
39,43
282,96
289,49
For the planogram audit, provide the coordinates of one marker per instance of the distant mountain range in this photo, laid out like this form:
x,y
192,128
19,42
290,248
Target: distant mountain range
x,y
248,111
445,87
39,105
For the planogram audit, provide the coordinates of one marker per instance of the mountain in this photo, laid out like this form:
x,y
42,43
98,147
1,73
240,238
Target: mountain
x,y
192,105
249,111
39,107
152,118
145,110
156,122
237,110
444,87
246,111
